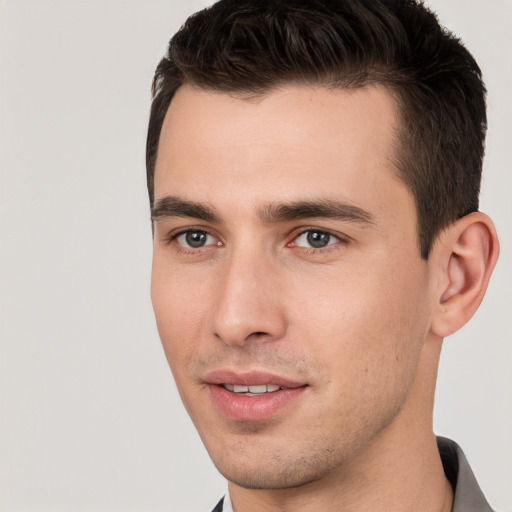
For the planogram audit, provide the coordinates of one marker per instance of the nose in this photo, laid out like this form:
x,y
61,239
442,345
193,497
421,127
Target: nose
x,y
248,306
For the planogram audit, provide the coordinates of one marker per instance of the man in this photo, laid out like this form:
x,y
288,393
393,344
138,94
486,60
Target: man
x,y
313,170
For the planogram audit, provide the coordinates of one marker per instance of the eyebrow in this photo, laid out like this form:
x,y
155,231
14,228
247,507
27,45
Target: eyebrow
x,y
171,206
326,209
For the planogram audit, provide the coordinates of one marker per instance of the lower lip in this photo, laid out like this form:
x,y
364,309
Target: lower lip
x,y
252,408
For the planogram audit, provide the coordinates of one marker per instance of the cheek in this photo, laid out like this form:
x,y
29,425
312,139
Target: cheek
x,y
366,323
179,314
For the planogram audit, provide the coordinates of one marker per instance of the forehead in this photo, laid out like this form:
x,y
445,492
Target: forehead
x,y
295,140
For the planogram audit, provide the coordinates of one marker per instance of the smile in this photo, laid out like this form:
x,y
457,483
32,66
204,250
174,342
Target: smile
x,y
252,396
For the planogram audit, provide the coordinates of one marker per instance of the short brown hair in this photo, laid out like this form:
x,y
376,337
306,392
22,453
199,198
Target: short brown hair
x,y
250,48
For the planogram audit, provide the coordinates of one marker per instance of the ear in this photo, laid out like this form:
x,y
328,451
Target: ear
x,y
463,258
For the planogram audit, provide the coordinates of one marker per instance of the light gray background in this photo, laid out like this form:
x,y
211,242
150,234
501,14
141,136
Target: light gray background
x,y
90,419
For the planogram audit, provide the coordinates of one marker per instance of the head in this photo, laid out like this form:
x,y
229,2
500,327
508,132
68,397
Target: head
x,y
313,167
250,48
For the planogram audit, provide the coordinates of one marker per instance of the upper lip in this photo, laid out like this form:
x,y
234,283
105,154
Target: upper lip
x,y
250,378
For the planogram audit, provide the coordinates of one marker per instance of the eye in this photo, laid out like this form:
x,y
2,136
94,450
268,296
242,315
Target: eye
x,y
315,238
195,239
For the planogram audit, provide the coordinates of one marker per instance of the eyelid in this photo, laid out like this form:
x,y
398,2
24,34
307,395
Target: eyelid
x,y
171,237
340,237
186,246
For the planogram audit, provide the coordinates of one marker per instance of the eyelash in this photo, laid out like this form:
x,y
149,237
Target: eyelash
x,y
173,239
331,245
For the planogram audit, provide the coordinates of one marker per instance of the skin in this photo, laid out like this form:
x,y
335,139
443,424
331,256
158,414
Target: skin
x,y
358,322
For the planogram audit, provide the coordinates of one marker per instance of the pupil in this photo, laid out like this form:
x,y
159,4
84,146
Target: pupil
x,y
318,239
195,238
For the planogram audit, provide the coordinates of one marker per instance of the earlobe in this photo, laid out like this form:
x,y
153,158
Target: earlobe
x,y
465,258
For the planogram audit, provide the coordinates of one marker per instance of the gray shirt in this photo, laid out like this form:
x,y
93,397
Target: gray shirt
x,y
467,494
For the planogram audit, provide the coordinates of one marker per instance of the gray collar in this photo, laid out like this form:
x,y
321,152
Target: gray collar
x,y
467,494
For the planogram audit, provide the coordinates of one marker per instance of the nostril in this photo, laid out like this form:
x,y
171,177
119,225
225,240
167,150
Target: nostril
x,y
241,340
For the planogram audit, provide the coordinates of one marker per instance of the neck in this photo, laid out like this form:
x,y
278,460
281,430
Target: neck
x,y
400,470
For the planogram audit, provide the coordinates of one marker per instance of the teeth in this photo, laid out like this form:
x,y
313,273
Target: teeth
x,y
258,389
252,390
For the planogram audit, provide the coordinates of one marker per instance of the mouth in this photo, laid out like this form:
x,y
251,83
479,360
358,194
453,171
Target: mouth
x,y
254,396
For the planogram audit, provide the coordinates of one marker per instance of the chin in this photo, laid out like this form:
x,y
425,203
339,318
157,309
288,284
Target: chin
x,y
273,470
266,478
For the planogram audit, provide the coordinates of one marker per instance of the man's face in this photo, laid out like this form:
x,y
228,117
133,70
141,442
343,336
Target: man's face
x,y
286,265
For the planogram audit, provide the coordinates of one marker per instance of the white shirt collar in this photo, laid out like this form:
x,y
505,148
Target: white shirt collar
x,y
227,505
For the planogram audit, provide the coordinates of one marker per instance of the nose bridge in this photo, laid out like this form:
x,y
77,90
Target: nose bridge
x,y
248,301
